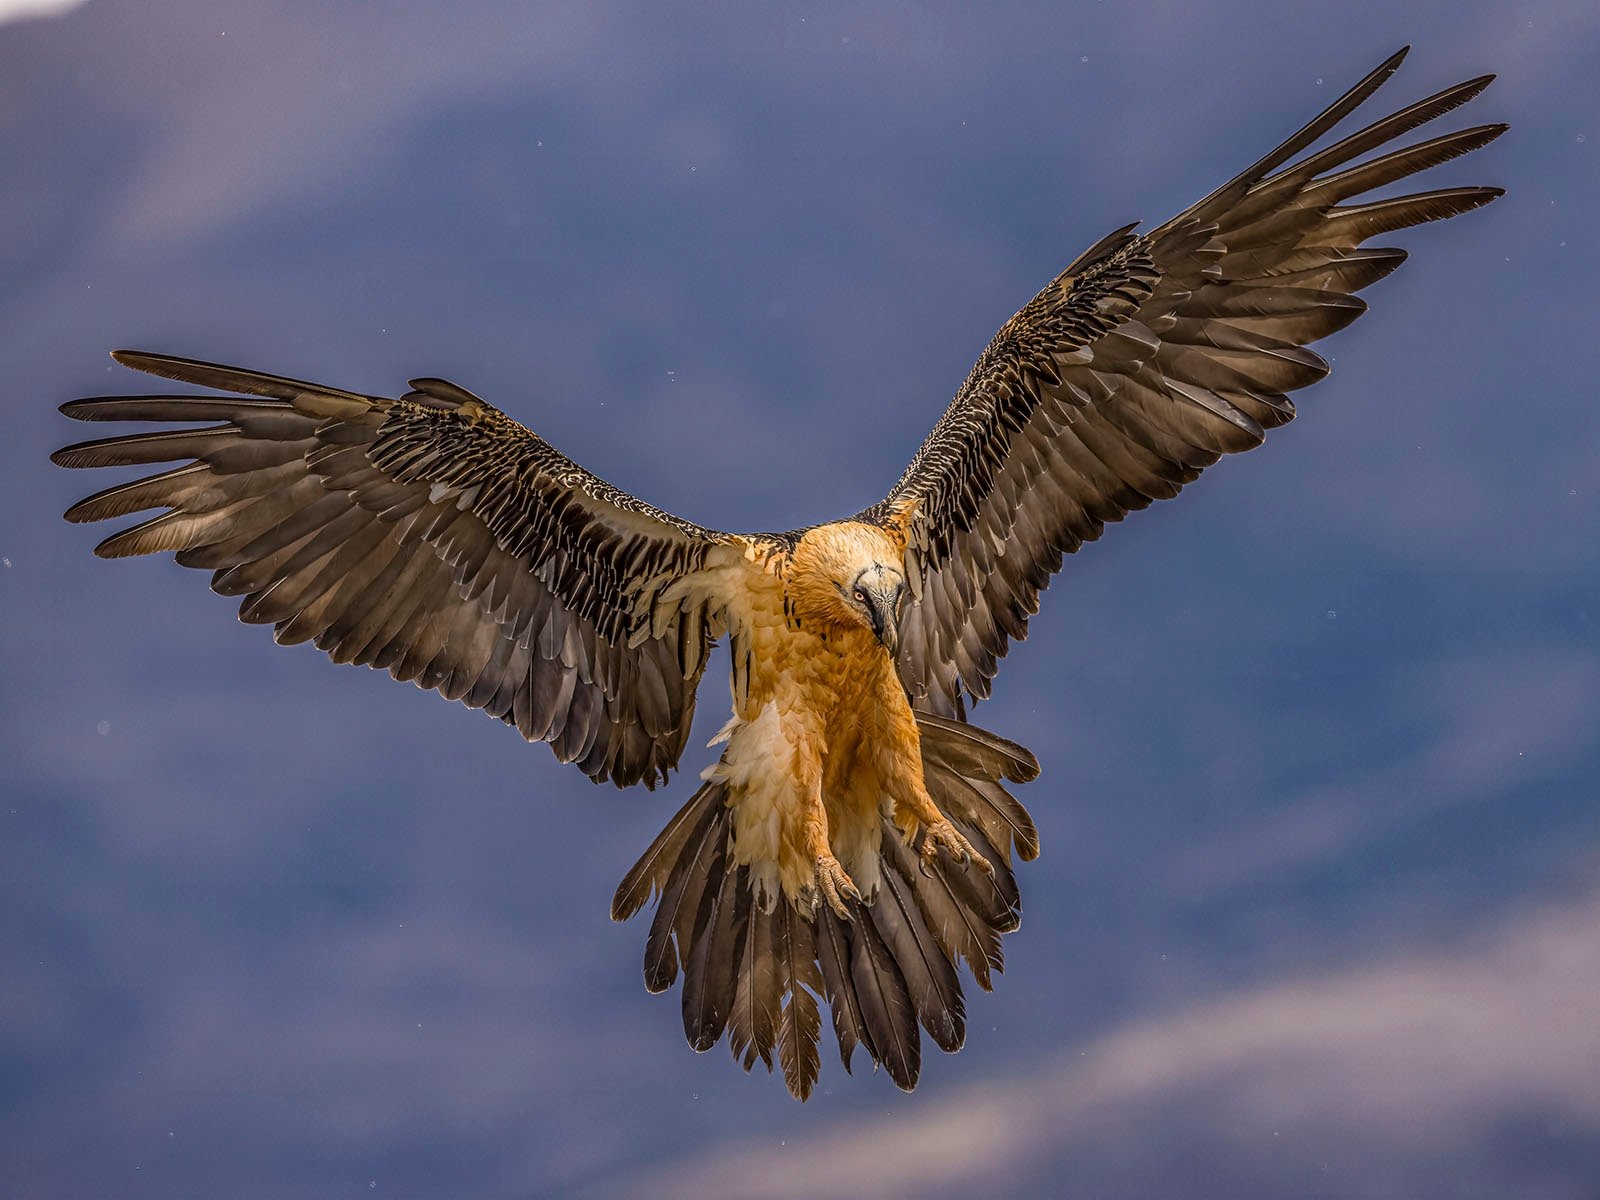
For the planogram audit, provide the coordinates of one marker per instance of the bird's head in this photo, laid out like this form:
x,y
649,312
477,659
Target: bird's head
x,y
849,575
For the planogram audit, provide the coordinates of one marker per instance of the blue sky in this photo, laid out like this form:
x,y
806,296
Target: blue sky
x,y
1317,909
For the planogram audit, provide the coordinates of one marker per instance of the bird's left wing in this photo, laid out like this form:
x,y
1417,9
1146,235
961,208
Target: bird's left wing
x,y
1145,361
432,536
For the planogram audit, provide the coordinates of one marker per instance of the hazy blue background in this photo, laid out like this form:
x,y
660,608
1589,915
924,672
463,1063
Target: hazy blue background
x,y
1319,908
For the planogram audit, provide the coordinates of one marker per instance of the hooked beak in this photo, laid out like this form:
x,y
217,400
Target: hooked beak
x,y
884,606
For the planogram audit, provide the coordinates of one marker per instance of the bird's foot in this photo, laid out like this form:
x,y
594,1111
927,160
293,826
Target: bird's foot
x,y
941,834
836,887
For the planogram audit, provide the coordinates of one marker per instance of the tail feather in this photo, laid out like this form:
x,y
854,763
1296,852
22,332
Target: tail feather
x,y
833,955
650,874
758,997
760,974
984,803
711,975
974,752
886,1004
801,1025
962,932
925,964
993,897
684,883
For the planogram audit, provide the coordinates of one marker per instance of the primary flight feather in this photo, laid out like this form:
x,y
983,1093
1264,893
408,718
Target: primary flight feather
x,y
854,843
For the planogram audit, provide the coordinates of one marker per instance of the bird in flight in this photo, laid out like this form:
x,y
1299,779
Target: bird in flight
x,y
854,843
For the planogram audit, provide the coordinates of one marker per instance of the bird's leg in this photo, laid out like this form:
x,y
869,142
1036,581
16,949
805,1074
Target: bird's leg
x,y
938,832
912,800
911,797
811,869
832,881
912,804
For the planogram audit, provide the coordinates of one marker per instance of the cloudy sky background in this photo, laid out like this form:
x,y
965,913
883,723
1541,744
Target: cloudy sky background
x,y
1319,906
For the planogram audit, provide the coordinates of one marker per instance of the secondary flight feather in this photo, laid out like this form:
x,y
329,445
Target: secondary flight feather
x,y
854,845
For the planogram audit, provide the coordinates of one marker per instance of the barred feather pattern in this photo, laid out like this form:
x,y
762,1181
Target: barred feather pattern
x,y
1144,362
888,974
432,537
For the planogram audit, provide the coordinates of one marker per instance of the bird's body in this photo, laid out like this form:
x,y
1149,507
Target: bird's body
x,y
854,842
823,744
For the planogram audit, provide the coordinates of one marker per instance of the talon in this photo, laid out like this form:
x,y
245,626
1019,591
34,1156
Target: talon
x,y
836,886
944,834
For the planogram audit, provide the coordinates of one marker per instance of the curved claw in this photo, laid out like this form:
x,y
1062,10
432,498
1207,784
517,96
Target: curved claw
x,y
836,886
942,834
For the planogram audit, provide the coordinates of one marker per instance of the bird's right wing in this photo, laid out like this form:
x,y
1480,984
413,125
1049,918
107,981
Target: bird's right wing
x,y
1143,363
434,537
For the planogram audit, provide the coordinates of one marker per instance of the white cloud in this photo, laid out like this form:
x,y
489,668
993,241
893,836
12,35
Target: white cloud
x,y
21,10
1422,1054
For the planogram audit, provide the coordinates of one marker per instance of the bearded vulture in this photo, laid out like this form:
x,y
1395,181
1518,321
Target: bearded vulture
x,y
854,842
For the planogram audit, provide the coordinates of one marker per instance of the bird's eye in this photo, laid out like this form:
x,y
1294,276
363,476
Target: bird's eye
x,y
861,595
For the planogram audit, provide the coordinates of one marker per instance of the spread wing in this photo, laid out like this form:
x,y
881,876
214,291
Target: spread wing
x,y
1140,365
431,536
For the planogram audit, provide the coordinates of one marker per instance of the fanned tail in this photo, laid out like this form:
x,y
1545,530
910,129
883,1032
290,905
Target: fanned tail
x,y
758,968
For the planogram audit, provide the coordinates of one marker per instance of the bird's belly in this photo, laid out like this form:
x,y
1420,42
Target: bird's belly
x,y
820,732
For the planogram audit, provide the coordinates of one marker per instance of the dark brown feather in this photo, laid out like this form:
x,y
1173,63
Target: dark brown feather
x,y
1133,370
886,1008
758,994
833,956
987,805
701,862
992,895
930,976
415,535
800,1029
712,972
648,876
964,933
974,751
